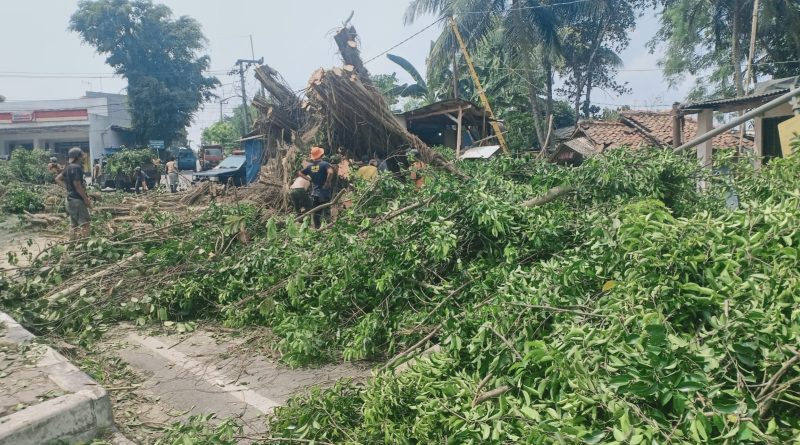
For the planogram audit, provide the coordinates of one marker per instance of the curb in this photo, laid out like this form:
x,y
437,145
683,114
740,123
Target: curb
x,y
79,416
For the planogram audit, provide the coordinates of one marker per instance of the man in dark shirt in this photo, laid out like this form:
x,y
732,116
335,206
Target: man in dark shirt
x,y
78,203
320,174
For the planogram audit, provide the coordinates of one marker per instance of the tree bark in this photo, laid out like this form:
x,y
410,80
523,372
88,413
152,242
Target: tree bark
x,y
737,51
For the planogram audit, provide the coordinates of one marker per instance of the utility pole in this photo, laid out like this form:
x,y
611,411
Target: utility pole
x,y
243,65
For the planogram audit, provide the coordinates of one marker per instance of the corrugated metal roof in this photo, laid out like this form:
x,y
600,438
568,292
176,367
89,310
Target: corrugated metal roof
x,y
480,152
715,103
583,146
763,90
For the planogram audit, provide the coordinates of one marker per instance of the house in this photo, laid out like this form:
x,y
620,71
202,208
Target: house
x,y
634,130
438,123
767,142
94,122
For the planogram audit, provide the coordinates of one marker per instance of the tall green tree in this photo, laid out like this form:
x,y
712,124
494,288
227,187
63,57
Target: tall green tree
x,y
592,35
160,56
709,39
222,133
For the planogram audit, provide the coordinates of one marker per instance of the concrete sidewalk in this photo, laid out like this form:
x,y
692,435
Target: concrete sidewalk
x,y
45,399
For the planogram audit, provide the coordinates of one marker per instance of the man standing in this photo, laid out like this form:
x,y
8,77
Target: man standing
x,y
140,180
172,174
78,203
96,172
320,174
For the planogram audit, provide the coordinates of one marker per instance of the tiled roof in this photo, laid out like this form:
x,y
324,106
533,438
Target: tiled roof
x,y
660,126
651,125
611,134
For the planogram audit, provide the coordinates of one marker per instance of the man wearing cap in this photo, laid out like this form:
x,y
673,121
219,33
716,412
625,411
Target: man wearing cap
x,y
78,203
320,174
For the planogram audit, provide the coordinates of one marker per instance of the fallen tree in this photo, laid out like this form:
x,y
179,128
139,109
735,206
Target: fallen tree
x,y
342,108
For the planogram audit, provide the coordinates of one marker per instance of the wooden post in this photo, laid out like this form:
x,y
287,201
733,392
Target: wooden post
x,y
677,131
458,134
705,123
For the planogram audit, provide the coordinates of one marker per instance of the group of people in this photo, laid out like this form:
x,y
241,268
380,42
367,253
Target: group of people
x,y
72,178
323,177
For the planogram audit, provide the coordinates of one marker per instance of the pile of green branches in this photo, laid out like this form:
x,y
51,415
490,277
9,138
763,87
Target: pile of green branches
x,y
126,160
615,302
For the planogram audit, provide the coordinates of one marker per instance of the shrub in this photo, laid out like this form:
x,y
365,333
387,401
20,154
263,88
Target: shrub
x,y
26,166
19,199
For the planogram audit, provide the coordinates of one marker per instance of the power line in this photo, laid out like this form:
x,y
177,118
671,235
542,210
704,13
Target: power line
x,y
406,40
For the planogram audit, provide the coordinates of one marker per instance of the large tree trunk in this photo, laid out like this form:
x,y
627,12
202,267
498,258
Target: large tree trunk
x,y
536,110
578,91
588,102
737,51
548,106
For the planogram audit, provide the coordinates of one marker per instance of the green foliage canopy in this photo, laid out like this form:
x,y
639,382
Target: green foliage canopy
x,y
159,56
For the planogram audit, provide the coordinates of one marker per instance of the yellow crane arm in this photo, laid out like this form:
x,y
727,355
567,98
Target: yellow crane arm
x,y
484,100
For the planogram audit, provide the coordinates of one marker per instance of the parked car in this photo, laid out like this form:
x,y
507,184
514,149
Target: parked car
x,y
231,169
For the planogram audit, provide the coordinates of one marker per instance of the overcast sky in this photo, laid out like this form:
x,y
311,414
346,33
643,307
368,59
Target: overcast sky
x,y
41,59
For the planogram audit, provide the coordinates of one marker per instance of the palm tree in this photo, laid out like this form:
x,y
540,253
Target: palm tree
x,y
529,32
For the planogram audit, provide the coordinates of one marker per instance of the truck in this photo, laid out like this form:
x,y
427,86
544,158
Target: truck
x,y
211,156
186,159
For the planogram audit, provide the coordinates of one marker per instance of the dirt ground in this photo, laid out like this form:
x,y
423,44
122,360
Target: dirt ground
x,y
18,245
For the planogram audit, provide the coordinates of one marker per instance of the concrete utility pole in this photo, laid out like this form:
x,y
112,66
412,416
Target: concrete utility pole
x,y
243,65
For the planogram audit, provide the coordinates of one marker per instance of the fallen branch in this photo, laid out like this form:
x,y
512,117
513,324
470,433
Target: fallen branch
x,y
497,392
481,384
505,341
106,271
557,309
777,376
394,214
330,203
767,393
413,348
551,195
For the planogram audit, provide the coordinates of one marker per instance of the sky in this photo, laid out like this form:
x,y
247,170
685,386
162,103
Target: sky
x,y
41,59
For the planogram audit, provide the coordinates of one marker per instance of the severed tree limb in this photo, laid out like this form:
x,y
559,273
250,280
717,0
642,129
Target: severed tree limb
x,y
330,203
777,376
482,383
394,214
551,195
413,348
556,309
497,392
770,391
78,285
505,341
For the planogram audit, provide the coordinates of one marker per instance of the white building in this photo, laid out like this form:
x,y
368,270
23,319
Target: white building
x,y
95,122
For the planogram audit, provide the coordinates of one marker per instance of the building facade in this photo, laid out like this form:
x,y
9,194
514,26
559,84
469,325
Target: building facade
x,y
95,123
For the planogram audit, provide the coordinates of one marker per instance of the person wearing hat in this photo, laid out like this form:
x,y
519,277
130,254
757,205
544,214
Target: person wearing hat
x,y
53,167
78,203
320,174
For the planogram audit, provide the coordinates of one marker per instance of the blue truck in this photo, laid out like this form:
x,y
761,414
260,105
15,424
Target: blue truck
x,y
186,159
